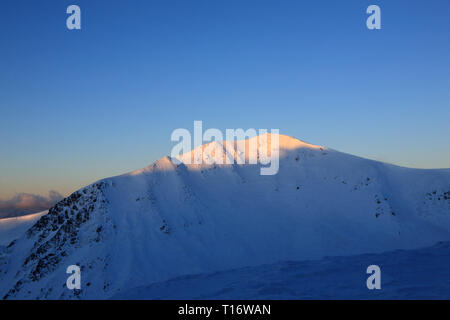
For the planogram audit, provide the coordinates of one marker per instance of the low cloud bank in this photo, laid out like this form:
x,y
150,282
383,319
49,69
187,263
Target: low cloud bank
x,y
26,203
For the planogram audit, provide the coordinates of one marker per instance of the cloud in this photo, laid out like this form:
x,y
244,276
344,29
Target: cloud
x,y
26,203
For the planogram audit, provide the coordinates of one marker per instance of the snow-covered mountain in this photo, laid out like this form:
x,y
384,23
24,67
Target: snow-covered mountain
x,y
172,219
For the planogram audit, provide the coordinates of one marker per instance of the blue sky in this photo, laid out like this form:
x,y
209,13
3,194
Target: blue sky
x,y
77,106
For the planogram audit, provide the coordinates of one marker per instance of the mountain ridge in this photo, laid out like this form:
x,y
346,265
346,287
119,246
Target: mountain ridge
x,y
171,219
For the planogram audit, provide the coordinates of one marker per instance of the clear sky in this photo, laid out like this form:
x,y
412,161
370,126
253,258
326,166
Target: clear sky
x,y
80,105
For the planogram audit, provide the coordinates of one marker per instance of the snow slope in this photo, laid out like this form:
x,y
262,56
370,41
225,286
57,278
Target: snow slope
x,y
171,219
405,274
13,228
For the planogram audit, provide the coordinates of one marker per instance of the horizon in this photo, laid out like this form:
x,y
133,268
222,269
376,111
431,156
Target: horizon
x,y
56,193
81,105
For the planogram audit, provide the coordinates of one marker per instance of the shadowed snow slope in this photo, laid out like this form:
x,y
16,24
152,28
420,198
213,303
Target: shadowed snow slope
x,y
13,228
171,219
405,274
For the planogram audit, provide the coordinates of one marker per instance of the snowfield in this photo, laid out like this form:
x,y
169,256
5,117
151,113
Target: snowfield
x,y
172,219
405,274
13,228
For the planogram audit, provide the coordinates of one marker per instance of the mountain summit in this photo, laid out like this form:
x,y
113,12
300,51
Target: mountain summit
x,y
174,218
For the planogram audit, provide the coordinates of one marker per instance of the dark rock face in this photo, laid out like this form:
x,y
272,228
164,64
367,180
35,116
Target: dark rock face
x,y
56,233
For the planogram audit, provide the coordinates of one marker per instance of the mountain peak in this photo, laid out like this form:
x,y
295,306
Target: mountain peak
x,y
244,150
163,164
